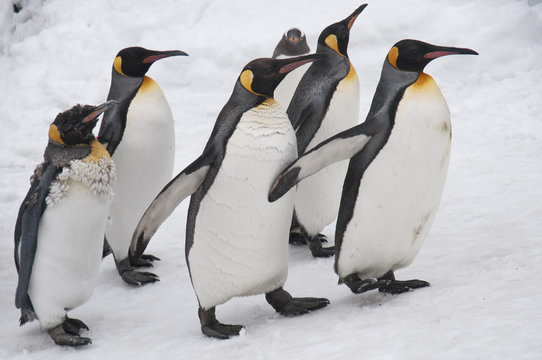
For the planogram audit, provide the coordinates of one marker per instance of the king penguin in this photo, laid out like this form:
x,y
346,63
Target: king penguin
x,y
140,136
59,229
398,165
293,43
236,240
325,102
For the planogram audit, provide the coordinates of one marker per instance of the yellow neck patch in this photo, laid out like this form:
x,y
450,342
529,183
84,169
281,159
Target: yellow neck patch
x,y
352,74
148,84
331,41
117,64
425,82
55,135
98,151
246,78
392,56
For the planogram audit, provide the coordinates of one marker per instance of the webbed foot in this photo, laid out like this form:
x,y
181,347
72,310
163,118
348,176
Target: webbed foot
x,y
315,245
144,261
388,284
287,305
133,277
358,286
62,337
211,327
73,326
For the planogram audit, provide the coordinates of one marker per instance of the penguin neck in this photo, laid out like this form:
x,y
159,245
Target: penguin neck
x,y
390,88
245,98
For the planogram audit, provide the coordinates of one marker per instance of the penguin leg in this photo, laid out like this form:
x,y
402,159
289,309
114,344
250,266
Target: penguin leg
x,y
73,326
62,337
357,285
132,277
287,305
316,248
211,327
388,284
144,261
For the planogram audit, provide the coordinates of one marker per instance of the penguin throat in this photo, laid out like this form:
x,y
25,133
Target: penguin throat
x,y
331,41
117,65
98,151
55,135
245,79
352,74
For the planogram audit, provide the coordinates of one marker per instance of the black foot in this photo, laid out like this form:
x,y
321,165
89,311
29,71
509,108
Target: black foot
x,y
211,327
132,277
287,305
144,261
388,284
358,286
62,337
73,326
297,238
315,245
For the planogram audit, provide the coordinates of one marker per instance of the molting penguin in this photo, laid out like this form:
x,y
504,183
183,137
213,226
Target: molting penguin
x,y
293,43
236,241
140,136
398,164
59,230
326,102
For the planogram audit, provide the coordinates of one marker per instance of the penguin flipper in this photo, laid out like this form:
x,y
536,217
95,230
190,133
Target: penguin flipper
x,y
26,230
342,146
182,186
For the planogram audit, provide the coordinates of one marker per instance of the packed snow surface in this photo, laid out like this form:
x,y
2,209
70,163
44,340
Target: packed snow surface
x,y
483,255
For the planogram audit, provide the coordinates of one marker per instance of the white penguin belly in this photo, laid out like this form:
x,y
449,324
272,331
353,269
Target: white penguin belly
x,y
401,189
286,89
144,160
318,196
241,239
68,255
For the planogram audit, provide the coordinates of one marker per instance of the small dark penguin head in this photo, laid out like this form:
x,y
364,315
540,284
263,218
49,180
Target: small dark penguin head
x,y
336,36
414,55
262,76
293,43
136,61
74,126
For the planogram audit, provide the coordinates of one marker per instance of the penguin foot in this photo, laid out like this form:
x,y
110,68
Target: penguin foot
x,y
388,284
358,286
73,326
138,278
315,245
287,305
211,327
61,337
297,238
144,261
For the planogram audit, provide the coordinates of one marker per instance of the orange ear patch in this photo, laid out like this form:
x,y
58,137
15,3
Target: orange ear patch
x,y
392,56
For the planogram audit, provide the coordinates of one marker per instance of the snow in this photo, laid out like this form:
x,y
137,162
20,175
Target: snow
x,y
482,256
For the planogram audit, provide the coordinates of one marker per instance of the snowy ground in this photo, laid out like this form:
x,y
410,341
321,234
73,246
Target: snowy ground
x,y
483,255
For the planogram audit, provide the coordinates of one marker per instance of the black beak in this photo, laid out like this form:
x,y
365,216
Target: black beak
x,y
98,110
438,51
349,21
287,65
157,55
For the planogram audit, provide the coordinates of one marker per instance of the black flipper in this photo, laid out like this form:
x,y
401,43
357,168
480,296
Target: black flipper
x,y
182,186
26,232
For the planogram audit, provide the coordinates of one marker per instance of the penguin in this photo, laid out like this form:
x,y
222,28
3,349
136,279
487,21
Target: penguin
x,y
60,225
325,102
236,241
398,165
140,136
293,43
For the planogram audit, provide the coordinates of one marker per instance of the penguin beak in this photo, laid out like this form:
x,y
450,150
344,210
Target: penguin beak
x,y
157,55
98,110
288,65
352,18
438,51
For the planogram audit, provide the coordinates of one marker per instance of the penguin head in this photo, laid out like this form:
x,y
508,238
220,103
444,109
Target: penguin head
x,y
293,43
414,55
136,61
262,76
336,36
74,126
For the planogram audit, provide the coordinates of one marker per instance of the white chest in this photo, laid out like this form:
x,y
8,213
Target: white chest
x,y
241,239
401,189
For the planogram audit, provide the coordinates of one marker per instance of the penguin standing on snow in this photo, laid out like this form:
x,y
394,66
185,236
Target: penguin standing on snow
x,y
293,43
326,102
140,136
236,240
59,230
398,164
